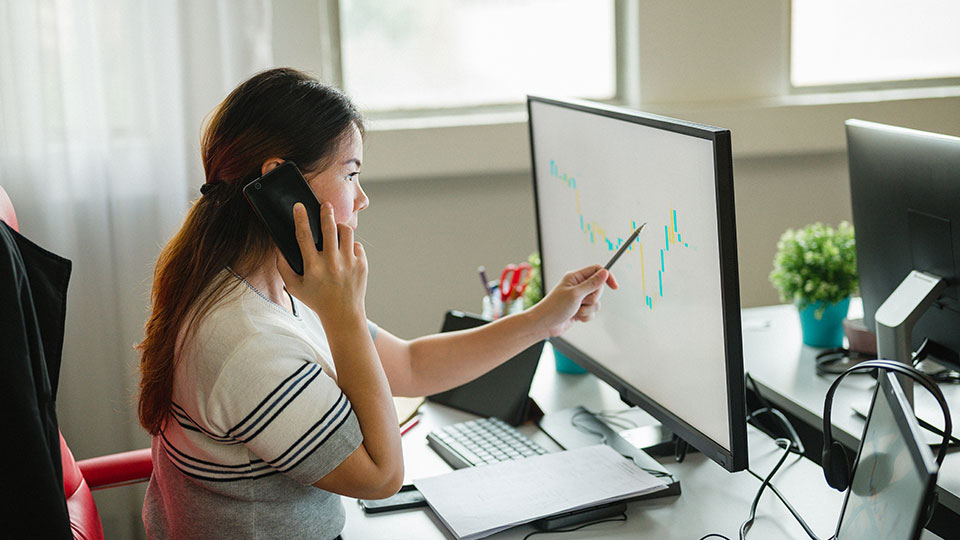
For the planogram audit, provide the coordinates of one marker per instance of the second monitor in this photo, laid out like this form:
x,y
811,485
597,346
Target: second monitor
x,y
669,340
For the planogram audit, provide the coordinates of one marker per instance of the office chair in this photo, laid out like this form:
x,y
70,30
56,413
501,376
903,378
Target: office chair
x,y
80,477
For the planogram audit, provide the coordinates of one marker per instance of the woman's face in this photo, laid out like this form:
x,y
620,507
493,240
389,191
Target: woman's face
x,y
339,184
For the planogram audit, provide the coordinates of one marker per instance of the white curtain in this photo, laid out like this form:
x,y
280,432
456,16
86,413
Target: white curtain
x,y
101,104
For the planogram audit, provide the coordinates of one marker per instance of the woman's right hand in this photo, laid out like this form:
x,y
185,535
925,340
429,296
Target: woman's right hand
x,y
575,298
334,281
334,284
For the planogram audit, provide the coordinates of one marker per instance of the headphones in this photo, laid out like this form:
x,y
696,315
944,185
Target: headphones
x,y
834,460
836,361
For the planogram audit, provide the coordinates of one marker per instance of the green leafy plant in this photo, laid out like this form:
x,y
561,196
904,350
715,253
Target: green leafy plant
x,y
534,290
816,264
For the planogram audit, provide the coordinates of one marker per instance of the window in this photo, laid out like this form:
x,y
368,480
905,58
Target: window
x,y
415,54
861,41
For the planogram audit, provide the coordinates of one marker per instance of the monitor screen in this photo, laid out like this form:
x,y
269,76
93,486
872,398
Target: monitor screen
x,y
904,188
894,474
669,339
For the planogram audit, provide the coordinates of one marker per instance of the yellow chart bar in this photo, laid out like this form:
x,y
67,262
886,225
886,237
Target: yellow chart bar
x,y
673,229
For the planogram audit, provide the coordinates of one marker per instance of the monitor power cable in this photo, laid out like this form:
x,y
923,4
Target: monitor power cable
x,y
793,444
603,440
788,447
621,517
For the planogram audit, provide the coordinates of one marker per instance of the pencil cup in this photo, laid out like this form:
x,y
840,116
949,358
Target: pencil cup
x,y
513,306
491,307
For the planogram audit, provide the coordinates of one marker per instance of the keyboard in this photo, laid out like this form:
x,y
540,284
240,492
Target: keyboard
x,y
481,442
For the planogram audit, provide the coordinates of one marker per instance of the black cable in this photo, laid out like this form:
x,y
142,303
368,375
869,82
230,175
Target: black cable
x,y
922,351
953,441
745,526
621,517
946,376
795,445
603,440
786,503
790,507
617,418
796,442
756,390
767,408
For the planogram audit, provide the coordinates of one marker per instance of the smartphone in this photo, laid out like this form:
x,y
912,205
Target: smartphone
x,y
272,197
407,497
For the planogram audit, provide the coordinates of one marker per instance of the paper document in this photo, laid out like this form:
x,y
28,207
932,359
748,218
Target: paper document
x,y
480,501
406,407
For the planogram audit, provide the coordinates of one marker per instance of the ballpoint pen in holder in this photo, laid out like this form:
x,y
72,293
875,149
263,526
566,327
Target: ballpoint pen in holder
x,y
483,279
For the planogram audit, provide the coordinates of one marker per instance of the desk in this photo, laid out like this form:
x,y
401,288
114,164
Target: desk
x,y
713,500
783,367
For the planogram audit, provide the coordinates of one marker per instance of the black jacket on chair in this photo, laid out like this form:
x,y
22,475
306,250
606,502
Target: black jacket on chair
x,y
33,298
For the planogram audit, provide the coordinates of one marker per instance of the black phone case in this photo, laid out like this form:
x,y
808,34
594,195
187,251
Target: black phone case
x,y
407,497
272,197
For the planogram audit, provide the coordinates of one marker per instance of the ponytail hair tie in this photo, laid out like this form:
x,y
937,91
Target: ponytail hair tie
x,y
208,187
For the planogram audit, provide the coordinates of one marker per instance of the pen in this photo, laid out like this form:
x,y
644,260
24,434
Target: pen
x,y
483,279
409,424
623,247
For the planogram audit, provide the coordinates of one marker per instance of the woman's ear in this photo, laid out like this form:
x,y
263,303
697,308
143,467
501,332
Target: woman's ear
x,y
270,165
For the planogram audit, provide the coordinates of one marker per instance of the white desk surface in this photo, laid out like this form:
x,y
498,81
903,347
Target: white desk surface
x,y
713,500
774,356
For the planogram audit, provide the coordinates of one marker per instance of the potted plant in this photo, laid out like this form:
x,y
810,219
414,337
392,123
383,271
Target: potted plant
x,y
531,295
816,268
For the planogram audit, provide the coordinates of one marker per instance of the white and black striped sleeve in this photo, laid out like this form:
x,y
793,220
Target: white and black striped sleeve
x,y
273,398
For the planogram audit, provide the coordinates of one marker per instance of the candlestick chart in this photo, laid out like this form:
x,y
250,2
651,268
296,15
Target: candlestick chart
x,y
596,232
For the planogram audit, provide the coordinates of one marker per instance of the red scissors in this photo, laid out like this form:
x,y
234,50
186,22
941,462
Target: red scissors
x,y
513,280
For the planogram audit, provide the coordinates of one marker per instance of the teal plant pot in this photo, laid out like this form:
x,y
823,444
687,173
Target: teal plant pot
x,y
565,364
827,331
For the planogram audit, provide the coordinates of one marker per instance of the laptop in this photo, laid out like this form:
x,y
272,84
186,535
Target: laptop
x,y
895,473
502,392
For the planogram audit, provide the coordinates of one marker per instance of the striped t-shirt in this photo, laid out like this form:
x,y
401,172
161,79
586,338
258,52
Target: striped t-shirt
x,y
257,418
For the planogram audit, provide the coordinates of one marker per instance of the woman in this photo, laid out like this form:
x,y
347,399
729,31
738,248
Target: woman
x,y
267,393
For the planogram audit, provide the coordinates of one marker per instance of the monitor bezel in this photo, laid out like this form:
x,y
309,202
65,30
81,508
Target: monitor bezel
x,y
892,392
735,458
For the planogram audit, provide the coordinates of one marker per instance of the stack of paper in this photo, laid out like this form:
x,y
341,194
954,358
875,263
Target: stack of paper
x,y
480,501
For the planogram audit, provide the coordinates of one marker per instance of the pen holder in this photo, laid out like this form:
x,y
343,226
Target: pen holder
x,y
493,308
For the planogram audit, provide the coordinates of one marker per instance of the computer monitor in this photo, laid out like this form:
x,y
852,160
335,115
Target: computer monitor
x,y
894,474
905,188
669,339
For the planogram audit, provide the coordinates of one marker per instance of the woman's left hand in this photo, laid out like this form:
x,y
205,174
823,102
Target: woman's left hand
x,y
575,298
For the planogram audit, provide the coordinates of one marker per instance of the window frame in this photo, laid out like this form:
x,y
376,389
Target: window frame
x,y
333,70
748,92
839,88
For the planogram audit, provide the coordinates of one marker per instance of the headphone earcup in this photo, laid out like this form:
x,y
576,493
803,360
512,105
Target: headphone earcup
x,y
835,467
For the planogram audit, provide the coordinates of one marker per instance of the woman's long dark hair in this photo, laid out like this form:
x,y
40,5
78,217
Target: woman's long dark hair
x,y
277,113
